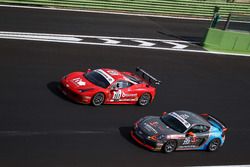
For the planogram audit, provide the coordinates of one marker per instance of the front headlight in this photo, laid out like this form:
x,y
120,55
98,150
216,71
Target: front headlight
x,y
156,137
84,90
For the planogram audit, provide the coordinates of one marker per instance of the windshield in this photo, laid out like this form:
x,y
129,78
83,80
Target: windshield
x,y
173,123
97,79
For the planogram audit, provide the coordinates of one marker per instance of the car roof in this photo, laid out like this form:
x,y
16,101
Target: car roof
x,y
192,118
115,75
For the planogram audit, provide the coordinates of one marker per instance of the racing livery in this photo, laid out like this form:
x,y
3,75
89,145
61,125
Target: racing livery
x,y
179,130
109,86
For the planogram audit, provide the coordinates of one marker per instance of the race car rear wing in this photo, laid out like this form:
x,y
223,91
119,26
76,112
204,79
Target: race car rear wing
x,y
150,77
215,122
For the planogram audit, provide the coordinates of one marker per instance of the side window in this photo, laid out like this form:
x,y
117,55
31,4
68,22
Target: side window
x,y
205,128
199,129
123,84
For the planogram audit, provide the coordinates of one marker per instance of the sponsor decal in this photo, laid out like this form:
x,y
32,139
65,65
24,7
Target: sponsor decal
x,y
184,116
150,128
181,119
105,75
78,82
175,136
129,95
154,123
113,72
187,146
117,95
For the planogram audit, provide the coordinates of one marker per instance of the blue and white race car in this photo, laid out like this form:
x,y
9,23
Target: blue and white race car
x,y
179,130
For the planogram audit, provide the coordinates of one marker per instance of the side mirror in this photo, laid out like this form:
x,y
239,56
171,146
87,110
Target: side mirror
x,y
190,134
164,113
89,70
114,88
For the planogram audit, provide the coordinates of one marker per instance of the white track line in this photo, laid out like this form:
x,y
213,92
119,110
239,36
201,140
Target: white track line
x,y
72,39
90,36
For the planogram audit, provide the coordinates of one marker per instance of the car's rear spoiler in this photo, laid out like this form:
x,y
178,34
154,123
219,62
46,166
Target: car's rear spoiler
x,y
150,77
211,119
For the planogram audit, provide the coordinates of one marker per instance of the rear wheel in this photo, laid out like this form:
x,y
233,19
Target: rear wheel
x,y
144,99
169,146
214,145
98,99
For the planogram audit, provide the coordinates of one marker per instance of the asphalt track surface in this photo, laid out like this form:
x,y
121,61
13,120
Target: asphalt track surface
x,y
39,127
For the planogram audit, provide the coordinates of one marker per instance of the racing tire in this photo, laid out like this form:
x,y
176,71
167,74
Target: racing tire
x,y
144,99
98,99
214,145
169,146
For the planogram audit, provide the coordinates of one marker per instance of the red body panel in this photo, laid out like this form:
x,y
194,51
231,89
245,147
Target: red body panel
x,y
79,89
141,143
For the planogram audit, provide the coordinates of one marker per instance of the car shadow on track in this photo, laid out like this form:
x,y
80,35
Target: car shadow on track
x,y
197,40
54,87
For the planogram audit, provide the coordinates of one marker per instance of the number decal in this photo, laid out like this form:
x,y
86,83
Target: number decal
x,y
117,95
79,82
186,141
189,140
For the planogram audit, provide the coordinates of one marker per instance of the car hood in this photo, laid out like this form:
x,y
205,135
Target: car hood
x,y
152,125
78,81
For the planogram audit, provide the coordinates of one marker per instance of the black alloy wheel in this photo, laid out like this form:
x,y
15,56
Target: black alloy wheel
x,y
144,99
98,99
214,145
169,146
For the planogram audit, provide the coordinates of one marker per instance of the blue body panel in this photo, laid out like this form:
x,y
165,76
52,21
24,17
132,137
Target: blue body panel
x,y
214,132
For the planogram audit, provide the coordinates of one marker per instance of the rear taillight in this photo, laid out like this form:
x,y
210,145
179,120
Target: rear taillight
x,y
223,132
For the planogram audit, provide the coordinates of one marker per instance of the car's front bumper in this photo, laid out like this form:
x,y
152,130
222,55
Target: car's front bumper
x,y
74,96
151,145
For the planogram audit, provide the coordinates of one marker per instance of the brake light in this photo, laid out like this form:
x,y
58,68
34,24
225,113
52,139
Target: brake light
x,y
223,132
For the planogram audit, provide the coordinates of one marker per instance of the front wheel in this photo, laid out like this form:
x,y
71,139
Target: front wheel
x,y
98,99
144,99
214,145
169,146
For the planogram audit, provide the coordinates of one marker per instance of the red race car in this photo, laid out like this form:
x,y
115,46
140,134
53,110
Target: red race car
x,y
109,86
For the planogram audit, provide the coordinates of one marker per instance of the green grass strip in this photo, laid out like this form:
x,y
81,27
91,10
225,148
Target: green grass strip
x,y
177,7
